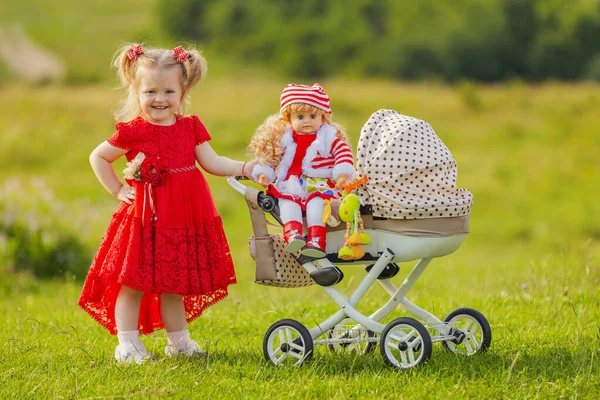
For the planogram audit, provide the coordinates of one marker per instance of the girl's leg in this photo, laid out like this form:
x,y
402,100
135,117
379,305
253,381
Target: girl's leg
x,y
291,216
127,309
317,231
127,312
172,312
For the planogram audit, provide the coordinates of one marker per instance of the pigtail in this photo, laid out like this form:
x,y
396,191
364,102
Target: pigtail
x,y
124,61
195,68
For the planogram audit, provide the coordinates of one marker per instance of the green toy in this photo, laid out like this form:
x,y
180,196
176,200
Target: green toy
x,y
355,231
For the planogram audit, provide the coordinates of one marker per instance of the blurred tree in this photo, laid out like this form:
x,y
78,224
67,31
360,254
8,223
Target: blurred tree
x,y
482,40
520,32
184,18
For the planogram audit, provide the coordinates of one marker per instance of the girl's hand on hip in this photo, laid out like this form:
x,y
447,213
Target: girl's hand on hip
x,y
126,194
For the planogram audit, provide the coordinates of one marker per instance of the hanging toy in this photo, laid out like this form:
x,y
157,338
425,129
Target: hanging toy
x,y
349,212
330,213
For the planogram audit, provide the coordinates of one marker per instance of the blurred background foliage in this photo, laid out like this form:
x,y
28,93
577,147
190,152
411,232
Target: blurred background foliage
x,y
480,40
536,142
476,40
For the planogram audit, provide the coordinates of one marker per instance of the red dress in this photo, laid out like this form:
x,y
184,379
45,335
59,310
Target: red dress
x,y
170,240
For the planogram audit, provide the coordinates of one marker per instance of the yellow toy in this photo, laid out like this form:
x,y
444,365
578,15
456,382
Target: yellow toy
x,y
349,212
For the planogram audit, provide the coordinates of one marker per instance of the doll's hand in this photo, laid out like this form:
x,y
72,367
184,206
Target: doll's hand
x,y
341,182
126,194
263,180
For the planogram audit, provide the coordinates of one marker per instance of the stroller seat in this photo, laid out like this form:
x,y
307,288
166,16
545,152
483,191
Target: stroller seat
x,y
409,239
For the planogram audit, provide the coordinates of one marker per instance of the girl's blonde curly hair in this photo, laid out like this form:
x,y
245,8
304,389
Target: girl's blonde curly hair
x,y
192,70
266,141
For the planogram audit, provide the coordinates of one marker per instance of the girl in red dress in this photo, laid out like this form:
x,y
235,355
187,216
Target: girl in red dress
x,y
304,159
164,257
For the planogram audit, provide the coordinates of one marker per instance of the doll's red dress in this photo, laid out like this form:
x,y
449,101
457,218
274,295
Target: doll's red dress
x,y
170,240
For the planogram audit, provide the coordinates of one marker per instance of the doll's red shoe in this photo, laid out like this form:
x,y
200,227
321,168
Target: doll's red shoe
x,y
292,234
316,245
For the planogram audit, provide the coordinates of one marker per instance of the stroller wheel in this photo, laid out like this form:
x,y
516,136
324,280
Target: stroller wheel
x,y
405,343
471,331
346,337
287,342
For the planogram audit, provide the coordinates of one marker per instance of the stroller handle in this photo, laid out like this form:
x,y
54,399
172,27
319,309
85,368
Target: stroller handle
x,y
265,201
234,182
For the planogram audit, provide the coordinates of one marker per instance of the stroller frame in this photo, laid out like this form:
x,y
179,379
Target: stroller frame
x,y
404,342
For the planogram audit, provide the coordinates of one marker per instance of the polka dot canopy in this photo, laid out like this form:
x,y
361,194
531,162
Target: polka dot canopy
x,y
412,174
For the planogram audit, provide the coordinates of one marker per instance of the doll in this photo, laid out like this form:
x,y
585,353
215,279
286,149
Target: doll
x,y
304,160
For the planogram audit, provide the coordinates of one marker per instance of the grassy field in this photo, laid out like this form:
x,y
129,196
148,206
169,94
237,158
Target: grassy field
x,y
531,263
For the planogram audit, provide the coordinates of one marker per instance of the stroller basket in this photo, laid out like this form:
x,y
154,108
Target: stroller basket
x,y
274,266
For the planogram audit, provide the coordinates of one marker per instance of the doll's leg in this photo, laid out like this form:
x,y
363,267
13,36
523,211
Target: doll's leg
x,y
172,313
317,231
127,312
291,216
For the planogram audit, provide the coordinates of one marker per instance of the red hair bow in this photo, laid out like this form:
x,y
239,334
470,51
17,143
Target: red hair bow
x,y
136,50
180,54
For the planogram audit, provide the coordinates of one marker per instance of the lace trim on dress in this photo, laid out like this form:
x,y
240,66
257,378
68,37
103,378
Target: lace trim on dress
x,y
194,262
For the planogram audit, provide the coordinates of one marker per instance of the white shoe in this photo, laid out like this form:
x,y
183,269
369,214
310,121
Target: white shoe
x,y
127,353
186,347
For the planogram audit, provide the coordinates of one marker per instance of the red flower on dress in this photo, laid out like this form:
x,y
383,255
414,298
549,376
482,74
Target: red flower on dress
x,y
153,171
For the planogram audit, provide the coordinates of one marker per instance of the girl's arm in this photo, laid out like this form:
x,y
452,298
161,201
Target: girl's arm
x,y
218,165
101,159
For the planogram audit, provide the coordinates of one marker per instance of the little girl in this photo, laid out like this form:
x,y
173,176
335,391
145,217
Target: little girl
x,y
307,159
164,257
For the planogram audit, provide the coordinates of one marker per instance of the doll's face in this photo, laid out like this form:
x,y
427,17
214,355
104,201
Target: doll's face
x,y
306,121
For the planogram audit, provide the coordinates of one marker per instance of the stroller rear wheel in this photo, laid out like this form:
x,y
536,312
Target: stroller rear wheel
x,y
346,337
405,343
287,343
471,330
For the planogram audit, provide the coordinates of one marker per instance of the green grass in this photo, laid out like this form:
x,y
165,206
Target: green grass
x,y
531,263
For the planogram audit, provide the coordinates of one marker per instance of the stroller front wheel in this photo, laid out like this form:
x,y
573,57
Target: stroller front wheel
x,y
287,343
471,330
405,343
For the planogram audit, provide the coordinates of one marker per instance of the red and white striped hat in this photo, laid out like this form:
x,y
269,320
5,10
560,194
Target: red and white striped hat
x,y
313,95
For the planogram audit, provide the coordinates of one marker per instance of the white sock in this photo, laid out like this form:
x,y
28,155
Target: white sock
x,y
314,212
290,211
175,338
129,337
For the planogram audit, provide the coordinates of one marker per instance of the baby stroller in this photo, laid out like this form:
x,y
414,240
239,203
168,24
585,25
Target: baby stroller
x,y
411,210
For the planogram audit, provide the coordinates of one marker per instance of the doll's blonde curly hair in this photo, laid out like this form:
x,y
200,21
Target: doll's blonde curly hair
x,y
266,141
